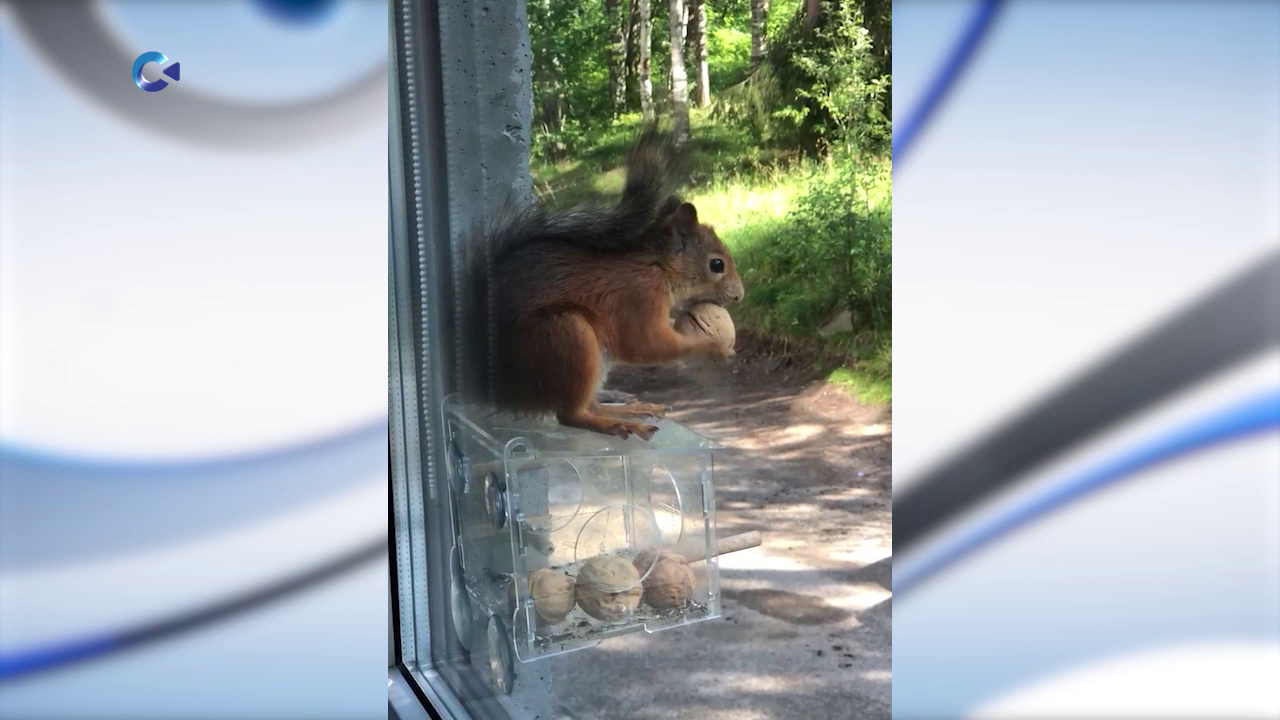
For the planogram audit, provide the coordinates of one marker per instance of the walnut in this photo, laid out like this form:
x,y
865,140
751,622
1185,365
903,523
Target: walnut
x,y
553,595
608,587
670,583
708,319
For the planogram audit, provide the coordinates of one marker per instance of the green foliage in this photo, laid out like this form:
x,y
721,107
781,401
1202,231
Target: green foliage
x,y
718,153
811,238
844,222
751,105
871,380
732,11
570,75
821,85
789,165
728,56
728,42
553,144
832,251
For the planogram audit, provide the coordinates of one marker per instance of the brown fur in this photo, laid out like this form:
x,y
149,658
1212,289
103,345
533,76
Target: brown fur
x,y
565,310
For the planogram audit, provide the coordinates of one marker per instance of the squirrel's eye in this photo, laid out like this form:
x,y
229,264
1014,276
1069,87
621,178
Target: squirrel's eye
x,y
717,265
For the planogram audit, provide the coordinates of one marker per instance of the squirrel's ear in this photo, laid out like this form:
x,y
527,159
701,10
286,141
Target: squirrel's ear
x,y
680,218
685,217
668,207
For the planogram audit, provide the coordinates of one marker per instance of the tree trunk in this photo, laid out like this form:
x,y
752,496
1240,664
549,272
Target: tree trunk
x,y
684,27
646,83
553,105
812,10
617,54
679,84
552,99
633,58
684,44
759,26
698,45
877,19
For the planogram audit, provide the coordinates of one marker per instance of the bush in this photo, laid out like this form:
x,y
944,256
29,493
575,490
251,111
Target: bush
x,y
820,87
570,76
833,251
728,56
846,221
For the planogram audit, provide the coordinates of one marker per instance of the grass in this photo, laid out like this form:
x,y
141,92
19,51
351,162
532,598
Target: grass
x,y
867,375
867,388
751,198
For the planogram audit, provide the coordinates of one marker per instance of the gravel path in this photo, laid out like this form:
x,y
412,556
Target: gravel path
x,y
807,616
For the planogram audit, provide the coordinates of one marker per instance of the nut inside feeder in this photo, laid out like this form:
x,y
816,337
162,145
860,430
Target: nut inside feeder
x,y
608,588
669,583
553,595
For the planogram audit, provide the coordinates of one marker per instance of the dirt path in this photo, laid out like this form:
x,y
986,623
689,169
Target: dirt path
x,y
806,628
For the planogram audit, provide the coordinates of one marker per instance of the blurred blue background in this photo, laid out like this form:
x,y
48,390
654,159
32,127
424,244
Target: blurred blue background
x,y
1095,168
193,360
193,369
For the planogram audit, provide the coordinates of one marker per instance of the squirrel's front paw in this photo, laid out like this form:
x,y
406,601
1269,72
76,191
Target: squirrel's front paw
x,y
626,429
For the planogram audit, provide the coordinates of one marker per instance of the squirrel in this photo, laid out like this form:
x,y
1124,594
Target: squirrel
x,y
572,293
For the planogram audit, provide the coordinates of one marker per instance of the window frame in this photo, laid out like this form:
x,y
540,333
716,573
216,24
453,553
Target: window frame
x,y
432,191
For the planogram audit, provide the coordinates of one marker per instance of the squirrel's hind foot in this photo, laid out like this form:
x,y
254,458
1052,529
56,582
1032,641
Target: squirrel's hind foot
x,y
646,432
606,425
637,410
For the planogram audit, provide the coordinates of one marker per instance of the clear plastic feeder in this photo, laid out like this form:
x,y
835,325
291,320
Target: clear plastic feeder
x,y
530,495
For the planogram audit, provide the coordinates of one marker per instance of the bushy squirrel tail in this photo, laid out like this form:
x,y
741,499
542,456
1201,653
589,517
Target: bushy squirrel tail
x,y
654,167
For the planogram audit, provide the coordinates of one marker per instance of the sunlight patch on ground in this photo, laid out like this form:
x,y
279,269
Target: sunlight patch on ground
x,y
721,683
857,597
861,556
803,432
757,559
875,430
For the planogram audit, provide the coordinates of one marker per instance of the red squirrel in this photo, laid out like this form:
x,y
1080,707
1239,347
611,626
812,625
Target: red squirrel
x,y
573,293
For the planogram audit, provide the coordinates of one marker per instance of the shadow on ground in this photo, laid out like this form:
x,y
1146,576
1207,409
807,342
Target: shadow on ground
x,y
807,616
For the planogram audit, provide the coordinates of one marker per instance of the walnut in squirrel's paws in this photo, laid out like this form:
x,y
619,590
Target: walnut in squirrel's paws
x,y
709,320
